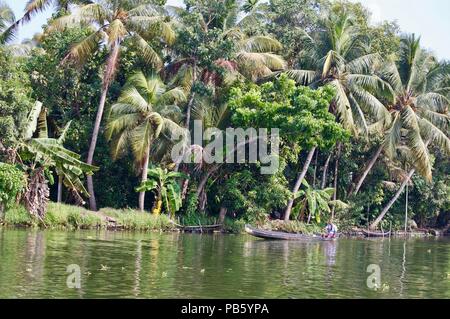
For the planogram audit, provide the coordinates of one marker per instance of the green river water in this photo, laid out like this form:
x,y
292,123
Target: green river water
x,y
33,264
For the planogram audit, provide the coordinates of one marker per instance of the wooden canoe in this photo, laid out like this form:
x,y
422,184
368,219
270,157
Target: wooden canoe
x,y
274,235
369,233
205,228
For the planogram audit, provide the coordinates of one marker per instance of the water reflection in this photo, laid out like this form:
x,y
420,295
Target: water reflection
x,y
33,264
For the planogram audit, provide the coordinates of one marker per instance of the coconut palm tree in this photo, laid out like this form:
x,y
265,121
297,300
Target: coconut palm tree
x,y
337,56
34,7
7,18
113,23
254,56
145,110
420,82
420,112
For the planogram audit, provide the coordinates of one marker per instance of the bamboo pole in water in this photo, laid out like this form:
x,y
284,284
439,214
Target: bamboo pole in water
x,y
406,209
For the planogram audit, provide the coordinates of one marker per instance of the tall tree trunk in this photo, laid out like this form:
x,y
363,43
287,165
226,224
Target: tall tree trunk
x,y
287,213
202,184
222,214
191,99
355,190
325,172
107,78
60,187
335,182
315,170
188,110
397,195
392,201
144,178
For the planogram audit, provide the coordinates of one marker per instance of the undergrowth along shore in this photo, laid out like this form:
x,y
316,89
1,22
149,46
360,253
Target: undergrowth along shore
x,y
67,217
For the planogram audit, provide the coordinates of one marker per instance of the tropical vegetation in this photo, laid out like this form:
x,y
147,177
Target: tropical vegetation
x,y
92,109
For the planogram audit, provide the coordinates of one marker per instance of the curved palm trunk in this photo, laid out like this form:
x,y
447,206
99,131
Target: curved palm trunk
x,y
335,182
287,213
392,201
325,172
202,184
107,78
144,178
60,186
315,169
201,195
397,195
368,168
191,99
188,109
222,214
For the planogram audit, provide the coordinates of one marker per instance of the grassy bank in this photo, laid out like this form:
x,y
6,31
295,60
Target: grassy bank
x,y
60,216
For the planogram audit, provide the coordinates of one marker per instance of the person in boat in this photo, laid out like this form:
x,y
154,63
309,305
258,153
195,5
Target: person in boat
x,y
331,230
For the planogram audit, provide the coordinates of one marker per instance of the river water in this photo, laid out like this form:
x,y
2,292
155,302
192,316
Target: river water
x,y
34,264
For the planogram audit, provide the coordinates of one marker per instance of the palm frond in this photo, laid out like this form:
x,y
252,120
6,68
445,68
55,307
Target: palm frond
x,y
364,64
116,31
435,135
393,136
343,108
304,77
132,97
415,142
259,44
84,49
372,105
175,95
147,52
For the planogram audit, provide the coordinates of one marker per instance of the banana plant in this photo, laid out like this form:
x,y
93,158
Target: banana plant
x,y
317,201
39,154
166,187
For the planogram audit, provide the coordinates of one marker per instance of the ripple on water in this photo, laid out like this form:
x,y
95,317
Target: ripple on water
x,y
136,265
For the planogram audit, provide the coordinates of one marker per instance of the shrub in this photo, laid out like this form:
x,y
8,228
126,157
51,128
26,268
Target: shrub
x,y
83,220
134,220
11,184
235,226
18,216
295,227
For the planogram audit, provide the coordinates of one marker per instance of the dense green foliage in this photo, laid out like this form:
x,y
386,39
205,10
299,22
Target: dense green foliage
x,y
359,108
11,184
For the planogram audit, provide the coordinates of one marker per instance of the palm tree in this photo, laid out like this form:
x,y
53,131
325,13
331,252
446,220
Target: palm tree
x,y
420,114
336,56
112,23
6,19
418,81
34,7
253,56
145,110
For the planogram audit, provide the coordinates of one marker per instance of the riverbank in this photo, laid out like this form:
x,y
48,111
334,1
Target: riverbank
x,y
67,217
61,216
